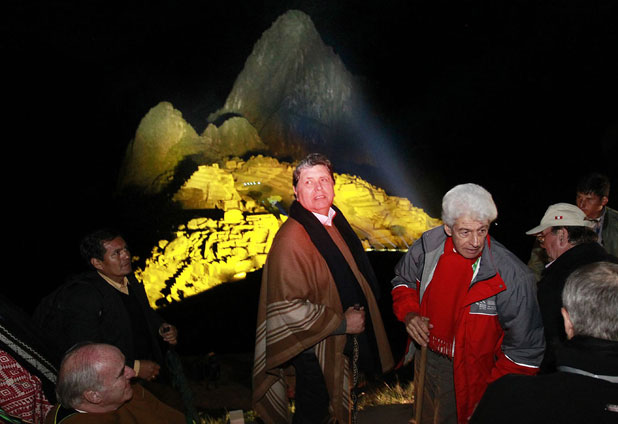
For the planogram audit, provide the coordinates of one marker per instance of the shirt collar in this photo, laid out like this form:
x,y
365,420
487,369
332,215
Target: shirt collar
x,y
600,218
326,219
123,287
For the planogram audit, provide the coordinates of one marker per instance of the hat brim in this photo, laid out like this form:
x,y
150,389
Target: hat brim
x,y
538,229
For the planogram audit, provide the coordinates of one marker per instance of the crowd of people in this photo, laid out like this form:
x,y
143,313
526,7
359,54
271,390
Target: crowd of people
x,y
490,338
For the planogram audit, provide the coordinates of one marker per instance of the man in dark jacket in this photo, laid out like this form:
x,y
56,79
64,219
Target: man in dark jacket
x,y
109,305
585,388
592,198
570,242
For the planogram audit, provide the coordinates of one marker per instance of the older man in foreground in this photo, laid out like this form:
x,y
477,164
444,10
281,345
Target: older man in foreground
x,y
94,386
318,296
585,387
471,302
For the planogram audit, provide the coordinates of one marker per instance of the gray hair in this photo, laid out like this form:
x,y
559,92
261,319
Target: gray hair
x,y
590,296
578,235
470,200
311,160
79,372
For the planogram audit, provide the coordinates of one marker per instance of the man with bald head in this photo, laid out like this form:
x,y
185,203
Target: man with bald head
x,y
584,388
94,386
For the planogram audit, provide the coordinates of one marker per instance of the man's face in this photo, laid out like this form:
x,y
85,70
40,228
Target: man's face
x,y
116,378
591,204
468,236
553,243
116,263
315,189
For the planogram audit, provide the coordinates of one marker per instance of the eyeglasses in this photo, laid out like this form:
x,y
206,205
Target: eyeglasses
x,y
541,236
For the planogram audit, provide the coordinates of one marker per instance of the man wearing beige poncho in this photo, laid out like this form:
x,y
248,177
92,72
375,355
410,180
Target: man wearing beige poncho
x,y
318,293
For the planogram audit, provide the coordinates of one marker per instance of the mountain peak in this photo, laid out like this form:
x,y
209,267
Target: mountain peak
x,y
293,89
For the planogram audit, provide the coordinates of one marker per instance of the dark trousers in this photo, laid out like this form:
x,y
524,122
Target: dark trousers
x,y
439,405
311,398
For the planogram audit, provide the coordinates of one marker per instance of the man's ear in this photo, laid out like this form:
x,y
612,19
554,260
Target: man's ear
x,y
604,200
96,263
448,230
568,325
92,396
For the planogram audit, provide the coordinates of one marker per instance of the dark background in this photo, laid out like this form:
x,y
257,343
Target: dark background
x,y
518,96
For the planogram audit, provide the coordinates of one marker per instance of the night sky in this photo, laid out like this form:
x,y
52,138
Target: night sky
x,y
518,96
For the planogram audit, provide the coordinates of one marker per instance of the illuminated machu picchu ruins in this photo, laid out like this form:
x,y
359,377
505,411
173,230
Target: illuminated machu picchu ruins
x,y
255,195
294,96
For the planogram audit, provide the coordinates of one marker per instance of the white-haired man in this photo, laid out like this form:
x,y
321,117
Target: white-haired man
x,y
94,386
585,387
471,302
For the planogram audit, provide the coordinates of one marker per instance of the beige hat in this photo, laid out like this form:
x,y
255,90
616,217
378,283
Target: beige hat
x,y
561,215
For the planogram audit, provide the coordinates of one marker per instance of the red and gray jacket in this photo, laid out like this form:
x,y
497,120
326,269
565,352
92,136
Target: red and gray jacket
x,y
499,328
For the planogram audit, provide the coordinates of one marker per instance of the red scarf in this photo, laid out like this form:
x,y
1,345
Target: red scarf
x,y
444,296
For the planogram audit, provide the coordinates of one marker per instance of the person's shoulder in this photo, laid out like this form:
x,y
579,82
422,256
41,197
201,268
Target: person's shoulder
x,y
290,235
431,239
612,212
85,285
143,400
59,414
85,277
510,399
511,268
435,234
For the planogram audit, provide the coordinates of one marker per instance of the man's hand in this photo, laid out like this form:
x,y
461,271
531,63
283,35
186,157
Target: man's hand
x,y
355,320
169,333
148,370
418,328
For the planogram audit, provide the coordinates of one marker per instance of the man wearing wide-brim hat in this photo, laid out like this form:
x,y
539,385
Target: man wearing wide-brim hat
x,y
570,242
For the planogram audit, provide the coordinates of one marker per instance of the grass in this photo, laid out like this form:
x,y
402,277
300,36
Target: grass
x,y
250,418
387,394
382,394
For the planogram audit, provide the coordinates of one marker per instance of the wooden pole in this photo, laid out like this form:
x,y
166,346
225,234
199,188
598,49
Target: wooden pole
x,y
420,386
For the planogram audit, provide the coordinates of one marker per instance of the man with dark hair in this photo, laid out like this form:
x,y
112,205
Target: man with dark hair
x,y
94,386
592,197
109,305
318,297
567,237
585,387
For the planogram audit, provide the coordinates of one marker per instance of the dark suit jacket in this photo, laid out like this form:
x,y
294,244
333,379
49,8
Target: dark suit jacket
x,y
566,396
96,312
549,294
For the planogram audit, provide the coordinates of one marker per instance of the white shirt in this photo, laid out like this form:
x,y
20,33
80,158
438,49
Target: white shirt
x,y
326,219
